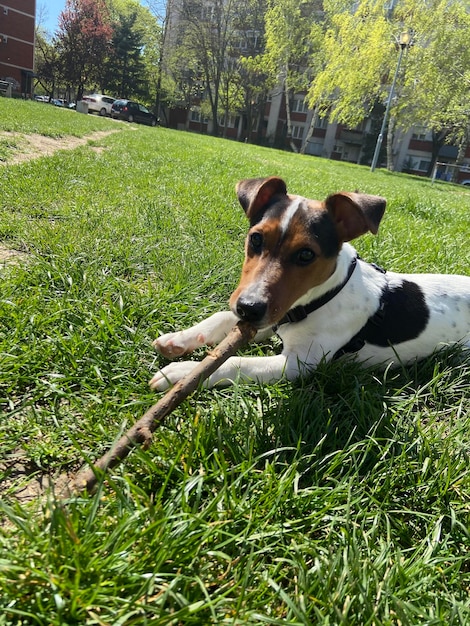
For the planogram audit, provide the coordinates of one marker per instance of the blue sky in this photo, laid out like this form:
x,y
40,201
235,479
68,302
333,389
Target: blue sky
x,y
48,12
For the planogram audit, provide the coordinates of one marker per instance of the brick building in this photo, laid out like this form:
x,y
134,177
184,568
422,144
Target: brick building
x,y
17,27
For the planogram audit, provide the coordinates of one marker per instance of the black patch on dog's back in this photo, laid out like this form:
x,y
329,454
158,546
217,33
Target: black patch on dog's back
x,y
403,316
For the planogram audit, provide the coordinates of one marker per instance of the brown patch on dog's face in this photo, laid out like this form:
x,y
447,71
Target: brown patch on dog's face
x,y
292,248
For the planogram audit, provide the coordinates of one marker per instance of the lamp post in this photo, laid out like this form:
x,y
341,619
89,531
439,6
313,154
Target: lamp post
x,y
403,42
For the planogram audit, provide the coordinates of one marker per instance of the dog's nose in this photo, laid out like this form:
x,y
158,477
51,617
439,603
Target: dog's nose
x,y
251,310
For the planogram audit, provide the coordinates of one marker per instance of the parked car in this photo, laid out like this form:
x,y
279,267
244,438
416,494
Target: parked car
x,y
132,112
465,182
59,102
99,103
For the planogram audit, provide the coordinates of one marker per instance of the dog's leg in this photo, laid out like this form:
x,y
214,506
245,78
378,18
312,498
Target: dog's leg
x,y
208,332
263,369
247,369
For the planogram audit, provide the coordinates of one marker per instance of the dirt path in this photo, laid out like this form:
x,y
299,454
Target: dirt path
x,y
22,147
23,482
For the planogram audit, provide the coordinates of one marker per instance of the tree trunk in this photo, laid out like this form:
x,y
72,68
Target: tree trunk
x,y
310,130
288,116
438,140
463,145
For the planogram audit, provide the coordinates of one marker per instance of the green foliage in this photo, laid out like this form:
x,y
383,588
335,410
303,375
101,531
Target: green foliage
x,y
133,61
339,499
121,58
82,41
125,66
437,79
358,46
47,65
359,62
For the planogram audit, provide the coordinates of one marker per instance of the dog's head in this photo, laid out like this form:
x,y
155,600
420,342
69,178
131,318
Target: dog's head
x,y
293,243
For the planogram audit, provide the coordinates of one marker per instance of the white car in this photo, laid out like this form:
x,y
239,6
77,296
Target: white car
x,y
99,103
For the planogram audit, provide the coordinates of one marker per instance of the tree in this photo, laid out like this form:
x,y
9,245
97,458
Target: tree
x,y
288,48
436,88
46,63
317,63
125,69
361,58
254,83
83,42
206,32
358,47
245,80
155,35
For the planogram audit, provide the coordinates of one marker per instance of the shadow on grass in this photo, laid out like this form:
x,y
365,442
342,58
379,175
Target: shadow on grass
x,y
341,421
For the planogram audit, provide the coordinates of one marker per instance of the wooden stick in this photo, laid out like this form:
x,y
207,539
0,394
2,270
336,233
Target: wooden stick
x,y
141,432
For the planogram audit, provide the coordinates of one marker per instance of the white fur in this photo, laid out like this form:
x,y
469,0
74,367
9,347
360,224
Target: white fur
x,y
289,214
329,328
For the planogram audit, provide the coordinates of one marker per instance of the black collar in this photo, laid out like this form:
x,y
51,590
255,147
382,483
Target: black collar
x,y
299,313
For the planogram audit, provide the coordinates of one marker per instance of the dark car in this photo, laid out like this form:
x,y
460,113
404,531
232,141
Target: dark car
x,y
132,112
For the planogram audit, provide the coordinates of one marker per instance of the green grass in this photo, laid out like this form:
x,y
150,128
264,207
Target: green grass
x,y
44,119
340,499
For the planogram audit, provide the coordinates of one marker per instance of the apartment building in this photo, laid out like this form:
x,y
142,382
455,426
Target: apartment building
x,y
412,149
17,26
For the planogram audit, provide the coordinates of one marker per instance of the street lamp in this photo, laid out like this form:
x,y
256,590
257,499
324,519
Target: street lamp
x,y
404,42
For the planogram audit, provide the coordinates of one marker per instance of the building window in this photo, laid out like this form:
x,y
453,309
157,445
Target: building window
x,y
315,148
196,117
231,64
423,165
297,132
246,40
232,121
300,106
322,122
207,13
419,133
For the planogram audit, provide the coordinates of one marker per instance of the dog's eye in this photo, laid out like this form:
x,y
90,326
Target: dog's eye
x,y
304,256
256,241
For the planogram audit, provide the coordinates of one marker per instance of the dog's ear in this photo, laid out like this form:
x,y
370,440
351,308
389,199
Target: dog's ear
x,y
355,213
255,193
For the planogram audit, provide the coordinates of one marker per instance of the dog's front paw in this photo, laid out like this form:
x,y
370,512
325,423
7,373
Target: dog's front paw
x,y
171,374
173,345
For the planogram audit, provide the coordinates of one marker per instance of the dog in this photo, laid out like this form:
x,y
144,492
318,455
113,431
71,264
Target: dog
x,y
302,280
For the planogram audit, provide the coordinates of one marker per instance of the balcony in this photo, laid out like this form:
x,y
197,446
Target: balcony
x,y
354,137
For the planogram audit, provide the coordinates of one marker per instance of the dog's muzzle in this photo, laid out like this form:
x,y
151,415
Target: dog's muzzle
x,y
251,310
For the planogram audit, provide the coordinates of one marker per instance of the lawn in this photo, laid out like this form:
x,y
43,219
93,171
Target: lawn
x,y
340,499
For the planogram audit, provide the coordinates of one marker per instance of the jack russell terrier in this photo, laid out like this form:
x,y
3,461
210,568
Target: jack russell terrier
x,y
303,282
